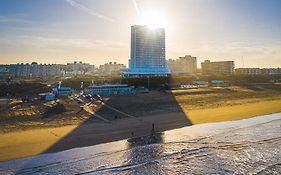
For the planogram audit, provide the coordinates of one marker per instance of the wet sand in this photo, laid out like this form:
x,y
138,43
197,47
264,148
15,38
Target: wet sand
x,y
36,141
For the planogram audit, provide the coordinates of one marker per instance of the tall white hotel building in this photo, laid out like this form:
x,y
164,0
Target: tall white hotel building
x,y
148,55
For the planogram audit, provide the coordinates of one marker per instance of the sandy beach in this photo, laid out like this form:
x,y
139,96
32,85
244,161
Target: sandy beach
x,y
231,147
165,110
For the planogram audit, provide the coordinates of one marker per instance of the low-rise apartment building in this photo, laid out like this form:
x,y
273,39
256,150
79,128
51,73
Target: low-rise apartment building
x,y
217,67
183,65
258,71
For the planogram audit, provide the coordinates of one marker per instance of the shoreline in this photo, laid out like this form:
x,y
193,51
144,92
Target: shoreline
x,y
32,142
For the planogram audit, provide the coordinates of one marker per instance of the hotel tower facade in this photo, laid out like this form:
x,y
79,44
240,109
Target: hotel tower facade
x,y
148,54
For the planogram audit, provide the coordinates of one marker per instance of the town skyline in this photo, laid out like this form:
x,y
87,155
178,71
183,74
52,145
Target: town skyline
x,y
82,31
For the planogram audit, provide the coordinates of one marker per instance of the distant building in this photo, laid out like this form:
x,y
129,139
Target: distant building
x,y
258,71
110,89
219,83
183,65
217,68
200,82
148,54
35,70
271,71
62,91
248,71
111,69
47,96
79,68
4,70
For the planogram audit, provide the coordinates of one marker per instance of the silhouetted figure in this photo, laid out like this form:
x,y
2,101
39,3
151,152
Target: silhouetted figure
x,y
132,134
153,129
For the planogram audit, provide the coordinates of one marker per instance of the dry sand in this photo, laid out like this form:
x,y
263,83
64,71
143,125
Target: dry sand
x,y
235,112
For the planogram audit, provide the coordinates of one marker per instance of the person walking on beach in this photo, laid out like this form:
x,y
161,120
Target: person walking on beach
x,y
153,129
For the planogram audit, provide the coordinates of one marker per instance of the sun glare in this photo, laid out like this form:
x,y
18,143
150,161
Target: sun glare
x,y
153,19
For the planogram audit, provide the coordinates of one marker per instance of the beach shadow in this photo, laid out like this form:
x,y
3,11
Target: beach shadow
x,y
125,117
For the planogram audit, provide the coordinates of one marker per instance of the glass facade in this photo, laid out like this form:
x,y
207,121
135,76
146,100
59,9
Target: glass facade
x,y
147,51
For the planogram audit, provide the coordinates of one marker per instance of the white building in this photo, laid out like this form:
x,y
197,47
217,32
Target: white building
x,y
258,71
248,71
183,65
110,89
79,68
62,91
147,52
111,68
271,71
35,70
217,67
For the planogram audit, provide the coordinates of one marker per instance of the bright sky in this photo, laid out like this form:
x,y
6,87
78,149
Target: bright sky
x,y
98,31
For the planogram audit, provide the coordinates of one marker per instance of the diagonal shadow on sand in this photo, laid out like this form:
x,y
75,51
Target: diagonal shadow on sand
x,y
144,110
156,108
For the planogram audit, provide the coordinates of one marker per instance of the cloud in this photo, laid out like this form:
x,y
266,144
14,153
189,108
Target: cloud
x,y
89,11
136,6
8,19
60,43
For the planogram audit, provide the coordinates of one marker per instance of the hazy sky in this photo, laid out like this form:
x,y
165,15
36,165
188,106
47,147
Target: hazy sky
x,y
98,31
